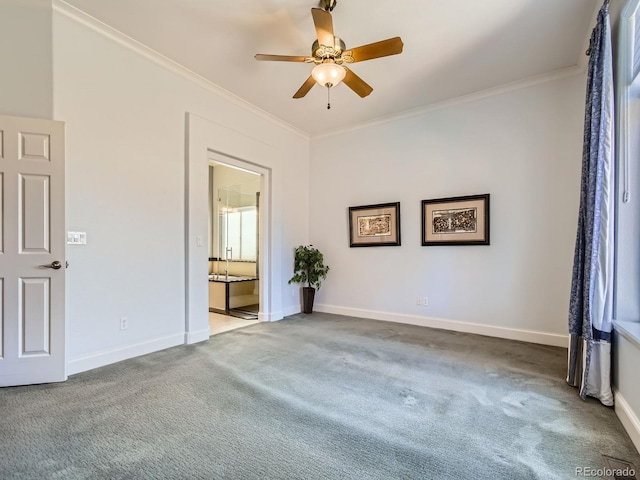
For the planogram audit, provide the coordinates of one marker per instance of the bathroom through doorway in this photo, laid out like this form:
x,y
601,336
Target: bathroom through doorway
x,y
234,246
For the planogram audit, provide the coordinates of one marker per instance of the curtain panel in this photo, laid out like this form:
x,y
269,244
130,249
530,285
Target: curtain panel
x,y
591,301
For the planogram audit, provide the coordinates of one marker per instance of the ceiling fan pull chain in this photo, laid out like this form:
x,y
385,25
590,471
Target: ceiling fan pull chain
x,y
328,97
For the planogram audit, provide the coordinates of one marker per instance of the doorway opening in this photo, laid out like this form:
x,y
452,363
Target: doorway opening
x,y
208,140
234,245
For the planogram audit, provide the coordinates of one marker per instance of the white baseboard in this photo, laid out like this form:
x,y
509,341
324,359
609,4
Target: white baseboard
x,y
197,336
292,310
627,417
112,356
530,336
270,316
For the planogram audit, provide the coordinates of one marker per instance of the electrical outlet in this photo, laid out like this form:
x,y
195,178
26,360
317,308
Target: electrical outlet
x,y
124,323
422,301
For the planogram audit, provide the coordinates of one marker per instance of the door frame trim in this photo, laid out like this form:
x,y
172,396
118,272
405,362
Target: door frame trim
x,y
264,220
203,138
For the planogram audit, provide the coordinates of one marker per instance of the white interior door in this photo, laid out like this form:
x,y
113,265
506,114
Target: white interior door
x,y
32,251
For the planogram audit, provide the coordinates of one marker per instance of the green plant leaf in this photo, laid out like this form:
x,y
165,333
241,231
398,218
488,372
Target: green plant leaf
x,y
308,266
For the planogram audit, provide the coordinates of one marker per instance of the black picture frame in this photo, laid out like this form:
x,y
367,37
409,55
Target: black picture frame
x,y
375,225
456,221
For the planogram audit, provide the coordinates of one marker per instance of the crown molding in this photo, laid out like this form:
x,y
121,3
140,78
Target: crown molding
x,y
77,15
463,99
82,18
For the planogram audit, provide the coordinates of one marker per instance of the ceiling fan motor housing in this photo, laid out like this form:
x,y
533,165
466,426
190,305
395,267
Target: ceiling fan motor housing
x,y
328,5
323,52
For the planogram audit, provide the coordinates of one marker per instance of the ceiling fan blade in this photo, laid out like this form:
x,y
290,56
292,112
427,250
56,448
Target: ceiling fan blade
x,y
304,89
355,83
383,48
324,26
280,58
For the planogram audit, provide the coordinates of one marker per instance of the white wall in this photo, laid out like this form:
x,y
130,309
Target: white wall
x,y
524,148
125,117
26,58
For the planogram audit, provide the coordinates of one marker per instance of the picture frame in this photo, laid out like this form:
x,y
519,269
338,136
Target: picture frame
x,y
375,225
456,221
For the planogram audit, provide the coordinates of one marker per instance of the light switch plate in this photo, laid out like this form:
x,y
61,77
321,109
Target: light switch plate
x,y
76,238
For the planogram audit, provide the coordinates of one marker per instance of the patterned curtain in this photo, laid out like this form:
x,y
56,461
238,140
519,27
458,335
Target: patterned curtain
x,y
591,303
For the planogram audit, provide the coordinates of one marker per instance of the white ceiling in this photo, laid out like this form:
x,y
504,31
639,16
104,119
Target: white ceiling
x,y
451,48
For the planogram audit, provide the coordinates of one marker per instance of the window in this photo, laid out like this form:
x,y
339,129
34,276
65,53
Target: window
x,y
627,69
239,232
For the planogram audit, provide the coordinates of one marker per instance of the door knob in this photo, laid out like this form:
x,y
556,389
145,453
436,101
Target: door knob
x,y
56,265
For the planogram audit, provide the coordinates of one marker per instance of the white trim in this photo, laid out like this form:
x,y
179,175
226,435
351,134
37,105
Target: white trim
x,y
270,317
108,357
73,13
197,336
264,264
461,100
207,139
629,330
292,310
627,417
530,336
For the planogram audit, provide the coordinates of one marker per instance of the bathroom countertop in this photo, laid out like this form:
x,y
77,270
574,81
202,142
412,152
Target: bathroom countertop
x,y
230,278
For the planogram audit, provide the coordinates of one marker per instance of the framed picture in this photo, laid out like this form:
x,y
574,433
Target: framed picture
x,y
456,221
374,225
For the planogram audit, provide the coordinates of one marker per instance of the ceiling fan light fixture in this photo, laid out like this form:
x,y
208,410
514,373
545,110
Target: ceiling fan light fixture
x,y
328,74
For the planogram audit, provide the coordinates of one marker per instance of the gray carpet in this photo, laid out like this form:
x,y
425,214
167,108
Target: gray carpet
x,y
315,397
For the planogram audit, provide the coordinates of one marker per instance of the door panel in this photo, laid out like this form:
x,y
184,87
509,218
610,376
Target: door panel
x,y
1,209
32,237
33,146
33,208
35,316
1,319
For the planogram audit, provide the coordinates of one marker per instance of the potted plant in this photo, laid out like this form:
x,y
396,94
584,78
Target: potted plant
x,y
309,268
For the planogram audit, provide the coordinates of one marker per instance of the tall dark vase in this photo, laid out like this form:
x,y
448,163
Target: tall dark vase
x,y
308,294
